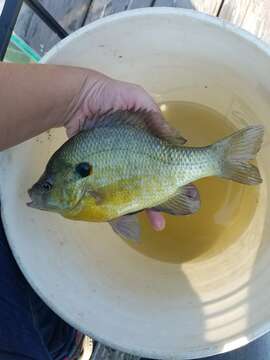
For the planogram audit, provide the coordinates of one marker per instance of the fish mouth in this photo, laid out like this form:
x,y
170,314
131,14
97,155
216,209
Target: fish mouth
x,y
34,205
31,204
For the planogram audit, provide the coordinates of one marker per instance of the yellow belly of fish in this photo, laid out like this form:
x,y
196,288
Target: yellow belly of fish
x,y
90,211
87,212
111,205
115,201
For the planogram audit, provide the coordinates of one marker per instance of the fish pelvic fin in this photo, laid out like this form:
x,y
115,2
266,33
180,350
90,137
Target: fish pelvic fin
x,y
127,227
234,153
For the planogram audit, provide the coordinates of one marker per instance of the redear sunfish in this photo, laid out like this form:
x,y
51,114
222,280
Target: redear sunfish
x,y
122,165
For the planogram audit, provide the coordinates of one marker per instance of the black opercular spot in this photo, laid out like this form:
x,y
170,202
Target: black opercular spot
x,y
84,169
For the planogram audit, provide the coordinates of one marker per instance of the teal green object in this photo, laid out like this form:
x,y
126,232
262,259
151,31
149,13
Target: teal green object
x,y
20,52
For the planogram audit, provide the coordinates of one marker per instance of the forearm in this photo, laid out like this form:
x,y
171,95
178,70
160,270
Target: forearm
x,y
34,98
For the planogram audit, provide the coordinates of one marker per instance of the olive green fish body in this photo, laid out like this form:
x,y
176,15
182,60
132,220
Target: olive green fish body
x,y
131,170
121,166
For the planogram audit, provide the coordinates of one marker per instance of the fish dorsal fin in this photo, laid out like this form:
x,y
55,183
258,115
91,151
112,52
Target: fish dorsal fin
x,y
184,202
150,121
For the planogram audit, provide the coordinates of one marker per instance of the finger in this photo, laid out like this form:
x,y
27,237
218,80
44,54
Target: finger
x,y
156,219
162,126
144,100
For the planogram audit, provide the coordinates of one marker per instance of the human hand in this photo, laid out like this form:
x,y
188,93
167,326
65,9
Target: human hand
x,y
105,94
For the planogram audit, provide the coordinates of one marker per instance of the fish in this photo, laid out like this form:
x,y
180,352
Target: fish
x,y
121,165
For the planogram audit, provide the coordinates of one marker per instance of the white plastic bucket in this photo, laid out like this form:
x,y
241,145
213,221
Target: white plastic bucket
x,y
86,273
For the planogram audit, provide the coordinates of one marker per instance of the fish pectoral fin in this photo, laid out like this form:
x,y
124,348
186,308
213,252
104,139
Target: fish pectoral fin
x,y
186,201
96,195
127,227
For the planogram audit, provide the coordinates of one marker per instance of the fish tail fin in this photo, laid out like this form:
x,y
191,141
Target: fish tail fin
x,y
234,153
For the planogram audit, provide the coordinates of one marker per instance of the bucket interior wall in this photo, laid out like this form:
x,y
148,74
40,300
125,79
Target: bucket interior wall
x,y
90,276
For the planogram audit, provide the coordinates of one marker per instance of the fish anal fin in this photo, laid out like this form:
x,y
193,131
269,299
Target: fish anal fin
x,y
185,201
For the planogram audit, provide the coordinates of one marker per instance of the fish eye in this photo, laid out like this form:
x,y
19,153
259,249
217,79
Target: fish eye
x,y
84,169
46,186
